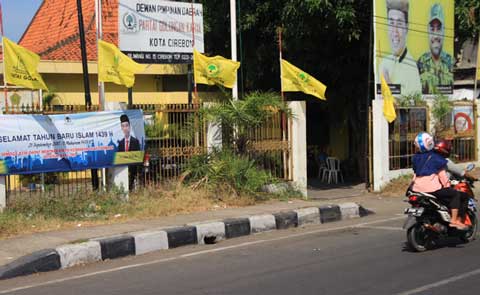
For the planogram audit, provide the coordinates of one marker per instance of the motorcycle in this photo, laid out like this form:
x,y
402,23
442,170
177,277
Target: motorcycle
x,y
428,219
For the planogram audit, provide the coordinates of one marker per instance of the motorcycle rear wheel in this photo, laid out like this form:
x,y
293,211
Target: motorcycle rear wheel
x,y
471,234
419,238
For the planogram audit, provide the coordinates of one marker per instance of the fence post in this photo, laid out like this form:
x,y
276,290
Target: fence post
x,y
3,193
299,145
118,175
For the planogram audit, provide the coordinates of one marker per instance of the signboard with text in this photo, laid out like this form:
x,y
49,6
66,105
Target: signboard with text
x,y
414,46
152,31
68,142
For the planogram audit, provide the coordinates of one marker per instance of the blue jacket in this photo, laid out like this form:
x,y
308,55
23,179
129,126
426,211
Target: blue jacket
x,y
428,163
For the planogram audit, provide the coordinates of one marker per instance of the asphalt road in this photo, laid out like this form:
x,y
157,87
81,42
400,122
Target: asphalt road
x,y
337,259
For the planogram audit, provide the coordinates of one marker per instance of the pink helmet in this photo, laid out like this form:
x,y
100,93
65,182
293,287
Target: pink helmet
x,y
424,142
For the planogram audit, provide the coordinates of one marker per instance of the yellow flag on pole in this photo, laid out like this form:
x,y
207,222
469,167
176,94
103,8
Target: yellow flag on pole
x,y
388,102
294,79
21,66
114,66
214,70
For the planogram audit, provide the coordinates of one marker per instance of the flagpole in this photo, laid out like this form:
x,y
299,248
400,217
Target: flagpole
x,y
193,48
233,37
101,85
5,91
279,30
287,172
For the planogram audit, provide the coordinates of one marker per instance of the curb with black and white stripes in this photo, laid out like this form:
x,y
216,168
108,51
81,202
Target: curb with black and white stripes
x,y
138,243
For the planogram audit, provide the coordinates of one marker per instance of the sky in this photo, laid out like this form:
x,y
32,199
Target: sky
x,y
17,15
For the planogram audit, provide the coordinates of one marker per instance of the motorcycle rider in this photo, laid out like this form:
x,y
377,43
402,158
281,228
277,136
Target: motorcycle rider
x,y
444,147
430,177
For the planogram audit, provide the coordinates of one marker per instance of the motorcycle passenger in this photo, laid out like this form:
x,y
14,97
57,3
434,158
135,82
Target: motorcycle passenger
x,y
444,147
430,177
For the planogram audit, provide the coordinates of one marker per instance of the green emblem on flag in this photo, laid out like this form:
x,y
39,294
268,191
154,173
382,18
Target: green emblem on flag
x,y
213,70
303,76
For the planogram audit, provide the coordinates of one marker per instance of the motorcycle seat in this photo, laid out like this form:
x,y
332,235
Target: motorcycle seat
x,y
420,194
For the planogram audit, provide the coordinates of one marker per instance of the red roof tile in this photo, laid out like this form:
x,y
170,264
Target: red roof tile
x,y
53,31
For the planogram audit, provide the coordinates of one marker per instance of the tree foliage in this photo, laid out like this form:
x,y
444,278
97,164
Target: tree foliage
x,y
467,19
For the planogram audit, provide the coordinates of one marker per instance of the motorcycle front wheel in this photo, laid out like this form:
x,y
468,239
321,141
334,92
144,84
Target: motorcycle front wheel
x,y
470,235
419,238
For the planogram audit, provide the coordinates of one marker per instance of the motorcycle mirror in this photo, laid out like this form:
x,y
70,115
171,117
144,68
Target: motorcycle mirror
x,y
470,167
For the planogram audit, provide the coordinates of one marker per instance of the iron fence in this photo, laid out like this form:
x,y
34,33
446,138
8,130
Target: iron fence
x,y
174,134
402,132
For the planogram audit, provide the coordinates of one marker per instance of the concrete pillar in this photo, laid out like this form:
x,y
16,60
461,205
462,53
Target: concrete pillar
x,y
3,193
380,146
118,176
299,145
214,137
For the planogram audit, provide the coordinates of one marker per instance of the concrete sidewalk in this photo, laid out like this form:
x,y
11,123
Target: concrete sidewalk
x,y
13,248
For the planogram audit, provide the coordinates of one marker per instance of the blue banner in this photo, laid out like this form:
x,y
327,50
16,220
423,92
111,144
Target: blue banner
x,y
68,142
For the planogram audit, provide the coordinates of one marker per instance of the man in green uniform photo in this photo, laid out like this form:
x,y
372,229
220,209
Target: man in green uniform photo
x,y
436,66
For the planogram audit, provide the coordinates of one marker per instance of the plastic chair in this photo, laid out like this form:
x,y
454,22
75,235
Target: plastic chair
x,y
333,170
321,168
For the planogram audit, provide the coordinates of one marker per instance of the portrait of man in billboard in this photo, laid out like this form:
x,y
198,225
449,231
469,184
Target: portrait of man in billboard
x,y
399,67
436,66
128,143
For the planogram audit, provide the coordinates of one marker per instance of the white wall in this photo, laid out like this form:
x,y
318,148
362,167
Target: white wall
x,y
381,170
381,173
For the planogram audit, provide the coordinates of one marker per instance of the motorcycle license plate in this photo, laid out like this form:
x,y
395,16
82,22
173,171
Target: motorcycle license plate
x,y
414,211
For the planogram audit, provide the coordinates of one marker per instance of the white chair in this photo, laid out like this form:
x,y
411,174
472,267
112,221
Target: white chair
x,y
333,170
321,168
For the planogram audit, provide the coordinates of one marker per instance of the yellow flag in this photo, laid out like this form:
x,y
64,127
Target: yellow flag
x,y
388,102
116,67
21,66
214,70
294,79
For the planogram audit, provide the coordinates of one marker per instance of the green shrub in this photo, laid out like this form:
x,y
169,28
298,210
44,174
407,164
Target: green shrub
x,y
226,170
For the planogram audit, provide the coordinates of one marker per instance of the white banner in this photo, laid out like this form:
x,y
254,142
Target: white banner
x,y
152,31
68,142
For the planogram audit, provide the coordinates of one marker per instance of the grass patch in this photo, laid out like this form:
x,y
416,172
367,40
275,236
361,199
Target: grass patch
x,y
31,214
397,186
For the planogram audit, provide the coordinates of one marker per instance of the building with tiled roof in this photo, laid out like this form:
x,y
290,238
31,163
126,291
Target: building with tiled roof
x,y
53,34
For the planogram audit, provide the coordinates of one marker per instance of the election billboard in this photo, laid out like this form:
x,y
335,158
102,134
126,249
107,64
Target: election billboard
x,y
152,31
414,46
68,142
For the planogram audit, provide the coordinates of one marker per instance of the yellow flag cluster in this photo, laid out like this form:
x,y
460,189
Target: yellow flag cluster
x,y
21,66
388,102
214,70
294,79
114,66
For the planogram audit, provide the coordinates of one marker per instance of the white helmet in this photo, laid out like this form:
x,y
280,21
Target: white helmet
x,y
424,142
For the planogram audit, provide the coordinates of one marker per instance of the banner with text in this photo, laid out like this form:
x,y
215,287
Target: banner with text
x,y
152,31
40,143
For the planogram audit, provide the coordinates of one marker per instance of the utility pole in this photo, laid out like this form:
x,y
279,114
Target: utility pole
x,y
86,83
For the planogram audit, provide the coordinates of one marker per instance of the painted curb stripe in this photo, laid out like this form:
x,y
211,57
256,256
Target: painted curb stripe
x,y
181,236
148,241
330,213
117,247
237,227
286,220
39,261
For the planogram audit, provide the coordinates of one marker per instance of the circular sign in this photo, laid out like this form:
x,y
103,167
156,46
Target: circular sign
x,y
462,122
